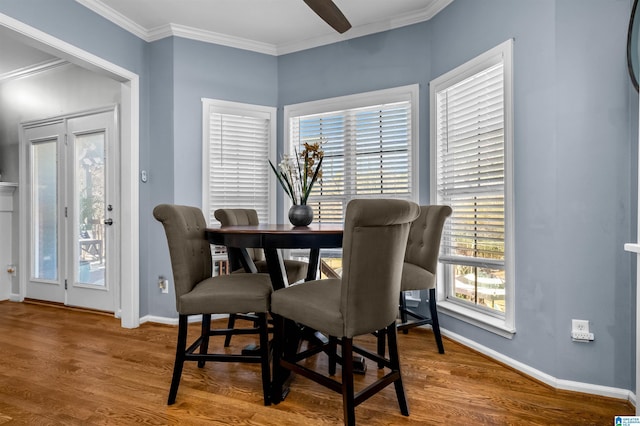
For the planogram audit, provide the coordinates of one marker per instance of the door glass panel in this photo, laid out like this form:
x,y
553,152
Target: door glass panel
x,y
45,211
90,214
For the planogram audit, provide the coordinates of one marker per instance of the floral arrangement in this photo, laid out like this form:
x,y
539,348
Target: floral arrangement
x,y
298,175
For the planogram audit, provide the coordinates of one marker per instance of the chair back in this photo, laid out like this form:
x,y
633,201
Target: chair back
x,y
189,248
228,217
374,242
423,244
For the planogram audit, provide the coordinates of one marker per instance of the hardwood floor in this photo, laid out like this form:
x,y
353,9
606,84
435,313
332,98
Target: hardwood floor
x,y
69,367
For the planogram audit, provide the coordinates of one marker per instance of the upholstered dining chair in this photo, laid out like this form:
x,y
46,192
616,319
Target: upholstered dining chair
x,y
364,300
198,293
419,271
296,270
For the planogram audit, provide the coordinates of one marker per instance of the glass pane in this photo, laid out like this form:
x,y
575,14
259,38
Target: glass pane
x,y
45,211
90,193
480,286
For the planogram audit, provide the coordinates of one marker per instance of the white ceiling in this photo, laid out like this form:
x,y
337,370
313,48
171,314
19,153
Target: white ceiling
x,y
273,27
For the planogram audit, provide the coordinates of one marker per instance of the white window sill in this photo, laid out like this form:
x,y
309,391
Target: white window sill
x,y
479,319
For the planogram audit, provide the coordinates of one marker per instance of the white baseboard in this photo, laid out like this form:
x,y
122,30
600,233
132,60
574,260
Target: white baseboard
x,y
174,321
14,297
554,382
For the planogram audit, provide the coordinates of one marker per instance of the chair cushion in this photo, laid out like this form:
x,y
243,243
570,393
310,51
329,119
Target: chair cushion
x,y
228,294
416,278
315,304
296,270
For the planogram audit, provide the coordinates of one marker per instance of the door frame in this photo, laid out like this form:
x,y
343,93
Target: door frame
x,y
129,259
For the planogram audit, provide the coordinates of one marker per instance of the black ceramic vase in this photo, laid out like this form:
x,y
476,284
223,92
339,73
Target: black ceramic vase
x,y
300,215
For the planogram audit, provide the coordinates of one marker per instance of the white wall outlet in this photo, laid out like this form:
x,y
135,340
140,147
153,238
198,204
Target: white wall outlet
x,y
580,331
163,284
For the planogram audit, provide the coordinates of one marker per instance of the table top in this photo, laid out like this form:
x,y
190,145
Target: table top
x,y
313,228
277,236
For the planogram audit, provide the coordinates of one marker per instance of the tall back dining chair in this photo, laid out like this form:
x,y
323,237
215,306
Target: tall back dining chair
x,y
198,293
420,267
362,301
296,270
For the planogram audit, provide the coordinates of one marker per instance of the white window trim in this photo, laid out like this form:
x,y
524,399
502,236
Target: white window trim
x,y
360,100
229,107
502,326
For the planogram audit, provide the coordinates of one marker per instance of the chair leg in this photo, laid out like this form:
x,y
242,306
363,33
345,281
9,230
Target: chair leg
x,y
435,324
204,344
230,325
278,348
181,347
382,337
394,358
348,399
333,355
264,356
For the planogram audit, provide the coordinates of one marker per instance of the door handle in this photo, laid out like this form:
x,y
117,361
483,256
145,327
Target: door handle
x,y
108,221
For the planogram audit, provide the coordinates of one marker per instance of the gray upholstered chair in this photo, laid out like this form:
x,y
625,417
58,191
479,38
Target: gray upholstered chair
x,y
296,270
419,271
364,300
198,293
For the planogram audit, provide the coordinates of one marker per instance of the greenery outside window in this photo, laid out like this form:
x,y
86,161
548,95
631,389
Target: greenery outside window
x,y
471,169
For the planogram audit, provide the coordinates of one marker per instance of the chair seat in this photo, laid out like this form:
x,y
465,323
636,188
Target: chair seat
x,y
315,304
227,294
296,269
416,278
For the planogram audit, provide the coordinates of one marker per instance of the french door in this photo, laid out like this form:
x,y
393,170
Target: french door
x,y
73,209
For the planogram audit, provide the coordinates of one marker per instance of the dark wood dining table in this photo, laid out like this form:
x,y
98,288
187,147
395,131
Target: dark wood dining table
x,y
273,238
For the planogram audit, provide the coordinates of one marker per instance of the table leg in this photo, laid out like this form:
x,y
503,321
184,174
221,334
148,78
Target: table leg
x,y
314,262
240,256
277,271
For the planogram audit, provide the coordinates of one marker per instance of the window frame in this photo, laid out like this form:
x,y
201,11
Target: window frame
x,y
501,325
408,93
237,108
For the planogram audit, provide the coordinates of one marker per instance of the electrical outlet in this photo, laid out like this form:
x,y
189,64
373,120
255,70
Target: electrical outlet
x,y
580,331
163,284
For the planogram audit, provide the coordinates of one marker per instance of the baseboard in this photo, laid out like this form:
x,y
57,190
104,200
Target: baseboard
x,y
14,297
174,321
545,378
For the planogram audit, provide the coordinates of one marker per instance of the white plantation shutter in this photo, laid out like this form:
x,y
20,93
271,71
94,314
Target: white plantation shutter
x,y
368,153
238,145
471,167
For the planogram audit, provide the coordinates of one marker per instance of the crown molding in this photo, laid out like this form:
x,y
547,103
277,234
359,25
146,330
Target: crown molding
x,y
32,69
176,30
116,17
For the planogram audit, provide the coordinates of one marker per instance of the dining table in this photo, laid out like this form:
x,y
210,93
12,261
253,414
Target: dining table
x,y
272,239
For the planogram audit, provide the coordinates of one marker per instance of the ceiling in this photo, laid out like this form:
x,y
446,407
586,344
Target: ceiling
x,y
273,27
268,26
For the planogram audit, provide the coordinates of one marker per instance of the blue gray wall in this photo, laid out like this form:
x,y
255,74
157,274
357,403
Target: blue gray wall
x,y
575,147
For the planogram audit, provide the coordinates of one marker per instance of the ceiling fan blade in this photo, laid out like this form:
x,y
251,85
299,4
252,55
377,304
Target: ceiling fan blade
x,y
329,12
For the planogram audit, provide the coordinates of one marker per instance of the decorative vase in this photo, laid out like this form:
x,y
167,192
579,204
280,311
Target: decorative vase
x,y
300,215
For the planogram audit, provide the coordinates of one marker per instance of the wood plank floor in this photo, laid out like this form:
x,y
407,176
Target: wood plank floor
x,y
68,367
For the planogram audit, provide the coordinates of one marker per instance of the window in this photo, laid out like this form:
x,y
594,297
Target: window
x,y
237,141
471,146
370,147
370,144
